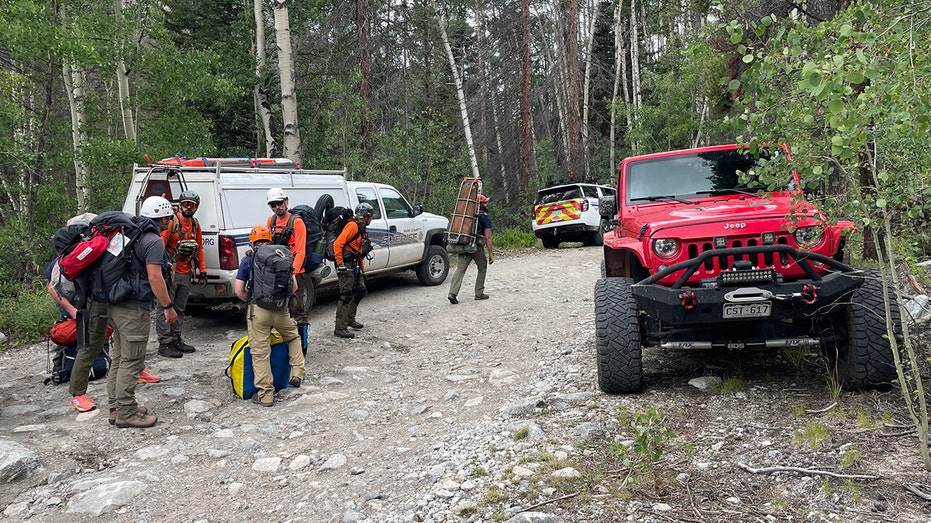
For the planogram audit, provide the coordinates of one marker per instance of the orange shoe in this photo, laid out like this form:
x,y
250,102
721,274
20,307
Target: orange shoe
x,y
82,403
147,377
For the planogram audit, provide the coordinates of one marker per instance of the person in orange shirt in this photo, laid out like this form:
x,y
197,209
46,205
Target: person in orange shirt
x,y
350,249
288,230
184,243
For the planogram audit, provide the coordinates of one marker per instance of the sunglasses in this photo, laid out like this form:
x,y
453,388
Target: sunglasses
x,y
275,204
188,204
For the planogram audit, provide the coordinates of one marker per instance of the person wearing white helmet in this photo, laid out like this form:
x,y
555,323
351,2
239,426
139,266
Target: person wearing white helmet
x,y
130,312
288,230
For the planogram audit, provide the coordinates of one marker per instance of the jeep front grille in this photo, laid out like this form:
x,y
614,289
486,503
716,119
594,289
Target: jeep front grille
x,y
713,265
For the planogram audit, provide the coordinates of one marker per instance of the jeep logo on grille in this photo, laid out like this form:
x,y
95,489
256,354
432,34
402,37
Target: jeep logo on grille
x,y
734,225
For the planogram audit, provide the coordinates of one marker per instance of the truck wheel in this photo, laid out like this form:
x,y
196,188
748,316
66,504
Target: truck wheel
x,y
433,269
324,204
862,356
598,237
550,243
617,337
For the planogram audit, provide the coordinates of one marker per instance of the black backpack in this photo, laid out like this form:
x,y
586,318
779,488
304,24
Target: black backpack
x,y
114,279
281,235
270,282
333,223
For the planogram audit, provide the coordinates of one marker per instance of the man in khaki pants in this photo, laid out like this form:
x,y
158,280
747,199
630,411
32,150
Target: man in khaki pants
x,y
260,321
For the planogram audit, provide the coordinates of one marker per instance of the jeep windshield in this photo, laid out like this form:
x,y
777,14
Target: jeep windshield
x,y
672,177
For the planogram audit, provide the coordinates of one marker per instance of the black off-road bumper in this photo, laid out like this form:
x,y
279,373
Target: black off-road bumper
x,y
680,305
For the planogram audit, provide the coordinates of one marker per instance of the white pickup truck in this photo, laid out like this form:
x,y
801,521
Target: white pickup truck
x,y
232,201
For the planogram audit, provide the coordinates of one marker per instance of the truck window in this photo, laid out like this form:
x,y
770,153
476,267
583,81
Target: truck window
x,y
367,195
395,204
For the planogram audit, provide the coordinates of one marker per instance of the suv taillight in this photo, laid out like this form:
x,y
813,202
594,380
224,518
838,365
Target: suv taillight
x,y
584,204
229,257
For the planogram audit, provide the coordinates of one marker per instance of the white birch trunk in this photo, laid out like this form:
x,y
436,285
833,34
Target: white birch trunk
x,y
122,83
619,59
459,92
74,87
262,109
634,108
292,135
586,90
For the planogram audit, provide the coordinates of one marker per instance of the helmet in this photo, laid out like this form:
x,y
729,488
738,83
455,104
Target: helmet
x,y
482,199
364,209
259,233
189,196
156,207
275,194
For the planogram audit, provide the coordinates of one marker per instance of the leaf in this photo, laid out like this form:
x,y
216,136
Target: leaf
x,y
733,85
747,58
836,106
855,77
881,203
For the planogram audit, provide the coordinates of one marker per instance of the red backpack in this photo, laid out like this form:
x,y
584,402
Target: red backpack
x,y
87,250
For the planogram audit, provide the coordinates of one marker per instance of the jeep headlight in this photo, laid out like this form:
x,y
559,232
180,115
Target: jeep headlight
x,y
809,237
666,247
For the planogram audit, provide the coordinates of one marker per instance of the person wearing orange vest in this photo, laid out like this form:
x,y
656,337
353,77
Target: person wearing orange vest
x,y
288,230
350,250
184,244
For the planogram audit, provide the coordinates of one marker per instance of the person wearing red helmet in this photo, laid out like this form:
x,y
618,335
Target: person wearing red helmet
x,y
482,242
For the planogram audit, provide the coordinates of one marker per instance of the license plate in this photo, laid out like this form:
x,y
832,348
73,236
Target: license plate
x,y
747,310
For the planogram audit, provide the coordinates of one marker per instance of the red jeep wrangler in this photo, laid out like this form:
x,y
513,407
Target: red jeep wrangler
x,y
699,259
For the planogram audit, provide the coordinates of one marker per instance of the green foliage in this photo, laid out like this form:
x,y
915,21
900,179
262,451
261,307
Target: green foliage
x,y
651,438
814,434
27,315
513,239
521,433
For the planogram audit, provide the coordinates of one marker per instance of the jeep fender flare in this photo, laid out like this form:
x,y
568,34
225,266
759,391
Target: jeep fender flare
x,y
624,258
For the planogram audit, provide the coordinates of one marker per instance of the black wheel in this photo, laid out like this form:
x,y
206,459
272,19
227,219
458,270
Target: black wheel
x,y
862,355
324,204
617,337
550,243
433,269
598,237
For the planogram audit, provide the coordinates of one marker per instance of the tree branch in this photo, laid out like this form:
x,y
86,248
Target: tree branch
x,y
766,470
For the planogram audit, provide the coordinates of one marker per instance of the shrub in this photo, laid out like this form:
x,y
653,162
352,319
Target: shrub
x,y
28,316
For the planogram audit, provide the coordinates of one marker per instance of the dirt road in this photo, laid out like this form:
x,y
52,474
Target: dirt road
x,y
472,412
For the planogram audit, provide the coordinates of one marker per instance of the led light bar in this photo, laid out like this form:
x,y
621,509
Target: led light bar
x,y
747,277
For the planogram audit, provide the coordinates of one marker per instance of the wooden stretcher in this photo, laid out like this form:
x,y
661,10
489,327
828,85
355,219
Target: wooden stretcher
x,y
460,236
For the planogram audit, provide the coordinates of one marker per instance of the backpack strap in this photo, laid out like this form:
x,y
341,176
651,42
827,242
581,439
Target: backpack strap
x,y
176,228
286,232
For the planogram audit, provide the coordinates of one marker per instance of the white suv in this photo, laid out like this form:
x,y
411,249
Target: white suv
x,y
569,213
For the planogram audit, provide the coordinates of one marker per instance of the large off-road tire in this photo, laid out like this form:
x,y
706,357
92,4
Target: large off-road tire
x,y
617,337
550,243
862,358
433,269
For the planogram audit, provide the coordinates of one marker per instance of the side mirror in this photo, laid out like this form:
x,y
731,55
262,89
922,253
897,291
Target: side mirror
x,y
418,210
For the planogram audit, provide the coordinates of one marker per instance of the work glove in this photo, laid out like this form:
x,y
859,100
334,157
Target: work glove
x,y
341,269
202,279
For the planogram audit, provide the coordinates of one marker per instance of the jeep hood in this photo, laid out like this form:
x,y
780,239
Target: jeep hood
x,y
709,210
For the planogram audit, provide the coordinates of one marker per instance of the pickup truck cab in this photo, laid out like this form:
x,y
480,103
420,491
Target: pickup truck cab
x,y
232,193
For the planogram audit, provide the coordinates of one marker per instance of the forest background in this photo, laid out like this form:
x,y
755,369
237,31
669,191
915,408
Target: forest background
x,y
422,94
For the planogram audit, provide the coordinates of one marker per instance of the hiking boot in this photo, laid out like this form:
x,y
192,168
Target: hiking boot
x,y
355,325
343,333
258,401
184,347
82,403
452,299
295,381
140,410
147,377
481,296
137,421
169,351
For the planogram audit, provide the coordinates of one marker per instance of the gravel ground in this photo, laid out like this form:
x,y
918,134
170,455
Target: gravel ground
x,y
482,411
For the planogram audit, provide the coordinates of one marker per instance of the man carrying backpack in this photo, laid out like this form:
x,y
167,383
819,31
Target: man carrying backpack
x,y
351,248
482,241
266,289
184,244
287,230
128,279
